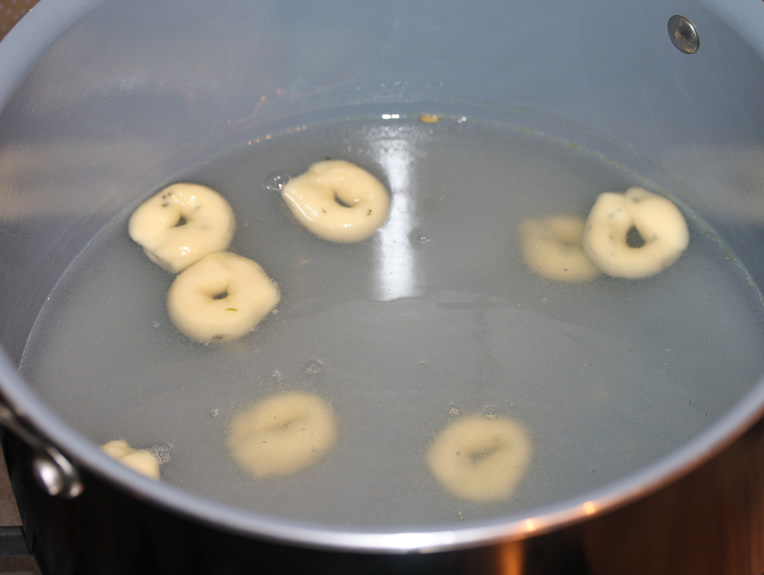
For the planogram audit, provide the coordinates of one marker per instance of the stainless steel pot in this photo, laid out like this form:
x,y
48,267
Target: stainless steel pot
x,y
104,96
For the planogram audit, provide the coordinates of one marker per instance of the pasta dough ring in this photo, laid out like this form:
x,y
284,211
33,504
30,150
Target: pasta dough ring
x,y
220,297
480,459
338,201
660,224
282,434
552,249
181,224
140,460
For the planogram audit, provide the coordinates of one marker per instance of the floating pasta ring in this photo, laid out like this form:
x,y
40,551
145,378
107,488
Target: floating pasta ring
x,y
181,224
338,201
662,229
222,296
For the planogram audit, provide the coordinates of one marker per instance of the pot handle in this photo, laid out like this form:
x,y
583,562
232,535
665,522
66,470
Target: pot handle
x,y
54,472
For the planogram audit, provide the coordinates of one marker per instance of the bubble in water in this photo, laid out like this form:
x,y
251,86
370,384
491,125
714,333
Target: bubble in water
x,y
419,238
313,366
491,412
276,182
162,452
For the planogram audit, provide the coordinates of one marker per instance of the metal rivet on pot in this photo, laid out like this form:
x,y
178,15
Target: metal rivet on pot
x,y
57,479
54,472
683,34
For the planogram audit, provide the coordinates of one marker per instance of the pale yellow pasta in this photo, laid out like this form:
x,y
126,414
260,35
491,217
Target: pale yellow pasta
x,y
282,434
338,201
480,459
140,460
552,248
222,296
662,230
181,224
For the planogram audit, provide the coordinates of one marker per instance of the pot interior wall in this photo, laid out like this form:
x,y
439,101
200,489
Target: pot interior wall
x,y
129,95
124,88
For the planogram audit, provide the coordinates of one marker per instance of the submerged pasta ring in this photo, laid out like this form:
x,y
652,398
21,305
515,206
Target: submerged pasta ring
x,y
662,230
181,224
282,434
338,201
552,249
222,296
480,459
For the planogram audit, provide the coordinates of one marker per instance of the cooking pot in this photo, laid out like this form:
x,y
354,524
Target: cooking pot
x,y
105,101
